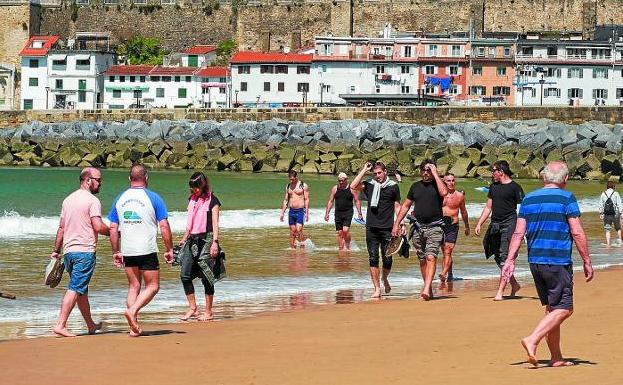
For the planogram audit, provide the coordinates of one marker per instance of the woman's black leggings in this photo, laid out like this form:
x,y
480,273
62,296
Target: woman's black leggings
x,y
191,270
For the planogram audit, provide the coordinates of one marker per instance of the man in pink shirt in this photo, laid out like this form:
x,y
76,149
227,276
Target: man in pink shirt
x,y
81,222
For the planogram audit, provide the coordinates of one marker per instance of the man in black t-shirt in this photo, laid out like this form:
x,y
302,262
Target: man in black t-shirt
x,y
426,196
503,197
383,197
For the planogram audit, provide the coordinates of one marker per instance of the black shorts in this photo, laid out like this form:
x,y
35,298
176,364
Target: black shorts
x,y
343,219
451,233
554,284
143,262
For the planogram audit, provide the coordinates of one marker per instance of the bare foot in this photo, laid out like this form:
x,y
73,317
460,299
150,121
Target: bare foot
x,y
498,298
515,289
560,363
137,333
133,322
386,285
530,350
96,326
377,294
425,296
62,332
191,313
442,277
207,316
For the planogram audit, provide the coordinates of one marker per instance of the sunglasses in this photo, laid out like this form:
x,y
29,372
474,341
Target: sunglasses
x,y
99,180
495,169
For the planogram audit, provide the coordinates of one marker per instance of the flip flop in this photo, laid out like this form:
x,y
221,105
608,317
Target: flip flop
x,y
360,221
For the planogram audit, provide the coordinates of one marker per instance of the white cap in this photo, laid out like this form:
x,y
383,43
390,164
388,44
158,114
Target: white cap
x,y
342,176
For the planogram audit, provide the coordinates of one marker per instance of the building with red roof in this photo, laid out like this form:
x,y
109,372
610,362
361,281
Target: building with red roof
x,y
39,45
198,56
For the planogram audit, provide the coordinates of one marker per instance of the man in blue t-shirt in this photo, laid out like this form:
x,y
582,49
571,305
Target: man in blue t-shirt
x,y
550,220
135,217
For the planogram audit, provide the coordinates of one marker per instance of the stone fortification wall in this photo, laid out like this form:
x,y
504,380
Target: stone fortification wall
x,y
591,149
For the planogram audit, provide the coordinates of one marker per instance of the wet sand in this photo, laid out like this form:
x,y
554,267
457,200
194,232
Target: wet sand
x,y
463,338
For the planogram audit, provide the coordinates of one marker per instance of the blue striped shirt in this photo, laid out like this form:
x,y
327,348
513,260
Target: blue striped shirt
x,y
546,211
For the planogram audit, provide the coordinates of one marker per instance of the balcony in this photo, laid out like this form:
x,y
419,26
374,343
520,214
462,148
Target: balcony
x,y
377,56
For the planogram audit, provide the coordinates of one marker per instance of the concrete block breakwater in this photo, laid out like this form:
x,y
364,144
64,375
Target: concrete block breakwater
x,y
592,149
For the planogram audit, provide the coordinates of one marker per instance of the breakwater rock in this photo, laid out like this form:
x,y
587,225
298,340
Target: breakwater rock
x,y
591,149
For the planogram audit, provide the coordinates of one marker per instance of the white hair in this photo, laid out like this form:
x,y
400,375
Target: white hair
x,y
555,172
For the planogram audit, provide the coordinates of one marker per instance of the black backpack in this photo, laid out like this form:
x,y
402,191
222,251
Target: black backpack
x,y
609,206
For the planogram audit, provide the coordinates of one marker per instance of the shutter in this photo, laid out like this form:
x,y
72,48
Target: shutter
x,y
605,94
594,94
580,93
570,93
569,73
594,73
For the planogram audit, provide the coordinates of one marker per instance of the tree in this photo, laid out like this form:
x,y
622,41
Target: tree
x,y
224,50
143,50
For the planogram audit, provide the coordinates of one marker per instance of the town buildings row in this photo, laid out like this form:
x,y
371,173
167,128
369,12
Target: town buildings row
x,y
414,69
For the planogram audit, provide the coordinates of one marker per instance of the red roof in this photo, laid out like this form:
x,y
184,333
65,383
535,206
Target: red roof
x,y
249,57
200,49
213,72
162,70
129,70
47,43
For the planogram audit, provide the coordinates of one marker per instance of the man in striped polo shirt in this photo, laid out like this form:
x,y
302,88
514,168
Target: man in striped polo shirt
x,y
550,219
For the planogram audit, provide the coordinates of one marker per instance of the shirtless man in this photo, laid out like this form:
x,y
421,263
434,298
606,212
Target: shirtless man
x,y
453,203
296,198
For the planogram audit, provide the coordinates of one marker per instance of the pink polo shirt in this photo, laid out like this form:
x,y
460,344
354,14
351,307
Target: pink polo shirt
x,y
197,219
78,209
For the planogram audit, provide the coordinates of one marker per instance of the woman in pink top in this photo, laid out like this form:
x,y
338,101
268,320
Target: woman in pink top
x,y
202,230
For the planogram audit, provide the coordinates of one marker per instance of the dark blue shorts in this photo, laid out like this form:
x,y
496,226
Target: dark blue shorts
x,y
554,284
80,266
296,216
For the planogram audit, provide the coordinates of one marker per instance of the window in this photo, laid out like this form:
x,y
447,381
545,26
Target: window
x,y
267,69
491,51
59,65
477,90
116,94
477,71
266,86
82,84
280,87
575,93
454,89
187,79
58,84
507,51
575,73
82,2
576,53
600,73
142,79
432,50
619,93
28,103
600,93
82,96
166,79
160,92
553,73
83,64
353,89
302,87
406,51
155,78
222,80
552,51
281,69
326,49
405,69
600,53
132,79
302,69
111,79
480,51
244,69
429,70
221,90
32,63
122,79
137,94
193,60
404,89
430,90
456,50
453,70
324,68
181,93
380,69
111,2
501,71
501,90
177,79
170,2
377,89
243,86
552,92
33,82
205,91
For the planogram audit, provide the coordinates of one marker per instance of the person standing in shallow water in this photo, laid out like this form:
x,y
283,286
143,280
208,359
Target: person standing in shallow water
x,y
202,230
80,223
296,199
610,208
453,203
549,218
502,200
344,197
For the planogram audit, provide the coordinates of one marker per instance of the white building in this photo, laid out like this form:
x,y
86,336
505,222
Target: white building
x,y
126,86
271,79
7,86
215,90
56,76
196,56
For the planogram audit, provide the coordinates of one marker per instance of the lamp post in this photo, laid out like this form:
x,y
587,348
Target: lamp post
x,y
47,97
541,82
236,104
321,93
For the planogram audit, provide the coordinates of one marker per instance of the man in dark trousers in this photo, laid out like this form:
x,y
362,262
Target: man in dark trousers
x,y
426,196
503,197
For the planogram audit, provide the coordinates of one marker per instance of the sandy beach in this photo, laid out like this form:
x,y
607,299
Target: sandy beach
x,y
464,338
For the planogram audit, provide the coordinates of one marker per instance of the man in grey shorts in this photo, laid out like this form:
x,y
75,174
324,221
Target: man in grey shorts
x,y
426,196
550,219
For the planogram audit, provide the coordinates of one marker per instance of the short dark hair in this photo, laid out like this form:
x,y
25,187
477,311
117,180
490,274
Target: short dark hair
x,y
610,184
425,162
292,173
379,164
503,166
138,172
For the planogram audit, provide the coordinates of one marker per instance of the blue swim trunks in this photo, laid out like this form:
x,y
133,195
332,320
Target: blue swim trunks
x,y
80,266
296,216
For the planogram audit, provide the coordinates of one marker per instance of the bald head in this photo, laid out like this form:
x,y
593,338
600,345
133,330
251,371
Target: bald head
x,y
89,172
555,172
91,179
138,173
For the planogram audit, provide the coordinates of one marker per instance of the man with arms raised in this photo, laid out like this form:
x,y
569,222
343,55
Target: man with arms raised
x,y
296,198
503,197
550,220
81,222
135,217
344,197
453,203
383,202
426,196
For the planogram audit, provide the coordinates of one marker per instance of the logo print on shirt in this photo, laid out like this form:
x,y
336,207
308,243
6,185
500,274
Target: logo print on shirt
x,y
131,216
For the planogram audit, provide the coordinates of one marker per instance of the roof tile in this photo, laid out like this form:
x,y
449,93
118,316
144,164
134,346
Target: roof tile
x,y
251,57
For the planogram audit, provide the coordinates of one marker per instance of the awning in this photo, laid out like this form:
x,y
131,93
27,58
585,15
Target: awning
x,y
127,88
83,57
213,84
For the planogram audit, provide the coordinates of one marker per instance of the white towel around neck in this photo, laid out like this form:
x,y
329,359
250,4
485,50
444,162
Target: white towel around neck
x,y
376,193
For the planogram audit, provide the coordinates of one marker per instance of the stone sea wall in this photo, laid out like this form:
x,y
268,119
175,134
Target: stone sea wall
x,y
591,149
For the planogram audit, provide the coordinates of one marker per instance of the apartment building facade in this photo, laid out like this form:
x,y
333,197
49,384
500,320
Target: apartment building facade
x,y
492,71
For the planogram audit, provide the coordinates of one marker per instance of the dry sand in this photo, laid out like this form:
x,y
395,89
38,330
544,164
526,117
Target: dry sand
x,y
467,339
